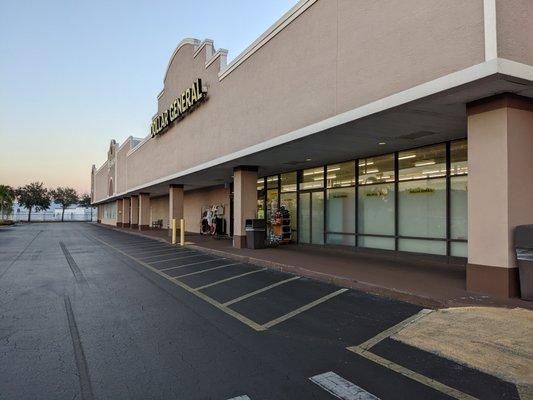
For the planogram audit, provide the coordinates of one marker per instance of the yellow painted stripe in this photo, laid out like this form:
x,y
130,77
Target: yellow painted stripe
x,y
252,324
247,295
230,279
393,329
293,313
438,386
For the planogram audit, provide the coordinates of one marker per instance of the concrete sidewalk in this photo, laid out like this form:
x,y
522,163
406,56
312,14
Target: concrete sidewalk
x,y
422,281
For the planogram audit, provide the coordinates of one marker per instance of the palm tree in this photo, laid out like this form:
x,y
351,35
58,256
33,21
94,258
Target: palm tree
x,y
7,196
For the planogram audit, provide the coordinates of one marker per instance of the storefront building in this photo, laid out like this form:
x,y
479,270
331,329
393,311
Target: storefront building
x,y
401,127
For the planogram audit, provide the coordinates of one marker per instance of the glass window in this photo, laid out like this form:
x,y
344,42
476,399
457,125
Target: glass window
x,y
260,184
424,162
459,249
288,182
272,182
459,157
376,169
341,175
338,239
376,209
312,178
261,198
422,208
376,242
340,215
459,207
422,246
288,201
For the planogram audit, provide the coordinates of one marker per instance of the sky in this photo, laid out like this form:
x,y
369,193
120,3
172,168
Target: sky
x,y
76,74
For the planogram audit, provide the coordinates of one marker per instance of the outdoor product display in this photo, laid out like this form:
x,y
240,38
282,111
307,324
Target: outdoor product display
x,y
212,221
280,226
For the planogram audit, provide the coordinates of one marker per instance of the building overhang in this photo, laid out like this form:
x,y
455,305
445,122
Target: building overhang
x,y
432,112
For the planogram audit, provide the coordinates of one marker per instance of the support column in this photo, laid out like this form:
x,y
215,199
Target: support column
x,y
120,215
500,190
144,211
99,213
244,201
134,212
126,212
175,205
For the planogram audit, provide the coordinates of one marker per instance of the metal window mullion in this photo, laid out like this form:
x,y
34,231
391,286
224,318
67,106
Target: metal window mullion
x,y
396,200
448,198
356,174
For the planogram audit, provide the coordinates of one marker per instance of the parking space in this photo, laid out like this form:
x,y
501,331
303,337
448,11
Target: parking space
x,y
323,314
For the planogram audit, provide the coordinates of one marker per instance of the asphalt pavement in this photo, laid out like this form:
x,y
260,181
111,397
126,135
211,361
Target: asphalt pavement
x,y
87,312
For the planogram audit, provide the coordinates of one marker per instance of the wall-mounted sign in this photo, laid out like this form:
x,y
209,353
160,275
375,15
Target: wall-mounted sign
x,y
185,103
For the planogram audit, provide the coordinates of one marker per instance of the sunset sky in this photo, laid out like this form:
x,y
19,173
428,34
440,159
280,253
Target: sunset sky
x,y
74,75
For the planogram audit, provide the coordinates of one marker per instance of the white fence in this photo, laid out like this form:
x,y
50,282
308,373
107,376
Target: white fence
x,y
54,216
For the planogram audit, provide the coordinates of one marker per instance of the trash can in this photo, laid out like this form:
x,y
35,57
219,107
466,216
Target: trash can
x,y
255,233
523,243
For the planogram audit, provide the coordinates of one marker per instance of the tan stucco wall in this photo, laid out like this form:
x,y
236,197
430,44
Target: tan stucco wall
x,y
100,183
500,195
336,56
121,183
194,200
159,209
515,30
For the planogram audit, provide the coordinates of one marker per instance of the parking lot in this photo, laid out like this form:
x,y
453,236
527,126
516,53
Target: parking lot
x,y
90,312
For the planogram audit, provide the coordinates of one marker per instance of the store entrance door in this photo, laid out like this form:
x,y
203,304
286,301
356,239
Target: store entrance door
x,y
311,217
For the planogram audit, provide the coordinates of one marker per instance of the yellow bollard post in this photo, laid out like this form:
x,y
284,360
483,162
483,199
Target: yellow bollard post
x,y
173,230
182,232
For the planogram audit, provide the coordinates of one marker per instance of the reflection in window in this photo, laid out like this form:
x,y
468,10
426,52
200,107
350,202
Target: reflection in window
x,y
288,182
312,178
459,157
376,169
341,175
424,162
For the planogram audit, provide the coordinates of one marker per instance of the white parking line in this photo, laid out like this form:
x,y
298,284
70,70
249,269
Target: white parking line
x,y
230,279
243,397
204,270
176,258
302,309
188,265
245,296
141,252
166,253
341,388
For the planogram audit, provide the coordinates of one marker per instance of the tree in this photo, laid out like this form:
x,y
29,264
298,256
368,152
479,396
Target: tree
x,y
64,196
7,195
85,201
33,196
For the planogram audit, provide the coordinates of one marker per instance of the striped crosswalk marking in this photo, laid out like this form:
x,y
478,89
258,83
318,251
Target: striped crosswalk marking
x,y
341,388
